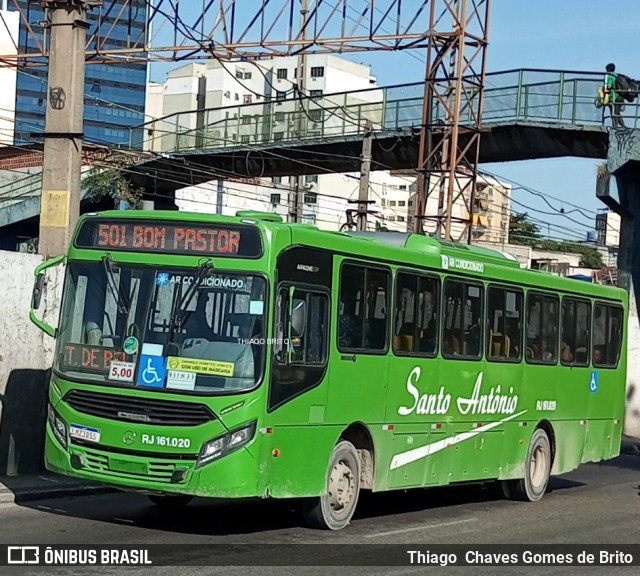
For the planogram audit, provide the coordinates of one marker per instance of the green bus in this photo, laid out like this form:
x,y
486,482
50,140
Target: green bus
x,y
230,357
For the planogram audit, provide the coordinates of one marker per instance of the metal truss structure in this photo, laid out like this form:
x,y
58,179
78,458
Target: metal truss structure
x,y
177,30
453,32
454,86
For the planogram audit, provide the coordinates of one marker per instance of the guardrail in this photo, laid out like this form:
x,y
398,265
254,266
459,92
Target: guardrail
x,y
544,96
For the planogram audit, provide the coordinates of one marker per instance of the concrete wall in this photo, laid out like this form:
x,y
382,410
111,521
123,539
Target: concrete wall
x,y
26,355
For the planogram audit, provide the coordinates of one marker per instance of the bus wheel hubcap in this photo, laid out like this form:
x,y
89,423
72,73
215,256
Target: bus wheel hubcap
x,y
341,486
538,466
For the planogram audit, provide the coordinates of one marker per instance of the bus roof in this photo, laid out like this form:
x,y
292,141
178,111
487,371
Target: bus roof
x,y
401,247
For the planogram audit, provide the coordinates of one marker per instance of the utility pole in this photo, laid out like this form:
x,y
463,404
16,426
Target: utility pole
x,y
295,205
365,170
62,163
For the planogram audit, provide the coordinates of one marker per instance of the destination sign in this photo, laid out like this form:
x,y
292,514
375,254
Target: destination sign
x,y
91,358
171,238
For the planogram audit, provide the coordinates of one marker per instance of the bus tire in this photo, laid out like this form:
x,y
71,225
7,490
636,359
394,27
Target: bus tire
x,y
170,501
532,487
334,509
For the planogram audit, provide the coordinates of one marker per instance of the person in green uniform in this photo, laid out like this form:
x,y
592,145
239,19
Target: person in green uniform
x,y
614,98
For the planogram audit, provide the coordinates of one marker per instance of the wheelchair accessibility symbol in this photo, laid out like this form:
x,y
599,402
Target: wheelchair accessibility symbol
x,y
593,386
152,372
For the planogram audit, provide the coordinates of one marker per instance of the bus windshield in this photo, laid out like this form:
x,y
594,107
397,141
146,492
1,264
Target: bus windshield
x,y
180,330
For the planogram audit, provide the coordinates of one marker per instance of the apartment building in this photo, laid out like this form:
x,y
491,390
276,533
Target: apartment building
x,y
234,103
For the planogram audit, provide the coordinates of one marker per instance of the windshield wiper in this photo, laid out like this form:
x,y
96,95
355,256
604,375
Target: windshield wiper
x,y
179,312
122,301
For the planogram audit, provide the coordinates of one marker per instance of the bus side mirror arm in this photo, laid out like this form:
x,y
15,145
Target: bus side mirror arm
x,y
38,290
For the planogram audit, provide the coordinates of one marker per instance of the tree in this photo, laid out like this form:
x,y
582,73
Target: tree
x,y
111,182
523,231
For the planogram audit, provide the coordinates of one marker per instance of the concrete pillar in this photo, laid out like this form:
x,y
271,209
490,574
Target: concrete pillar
x,y
628,184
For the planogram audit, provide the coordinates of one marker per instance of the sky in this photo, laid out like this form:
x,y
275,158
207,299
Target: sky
x,y
578,35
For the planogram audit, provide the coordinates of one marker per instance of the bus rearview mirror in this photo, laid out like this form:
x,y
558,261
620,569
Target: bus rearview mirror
x,y
298,318
38,289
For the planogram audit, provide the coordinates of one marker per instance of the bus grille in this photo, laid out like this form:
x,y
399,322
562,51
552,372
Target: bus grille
x,y
143,410
158,471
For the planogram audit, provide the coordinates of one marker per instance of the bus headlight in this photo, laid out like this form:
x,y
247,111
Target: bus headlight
x,y
58,426
222,445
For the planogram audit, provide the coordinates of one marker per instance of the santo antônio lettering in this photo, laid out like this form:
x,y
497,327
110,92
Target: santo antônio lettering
x,y
169,238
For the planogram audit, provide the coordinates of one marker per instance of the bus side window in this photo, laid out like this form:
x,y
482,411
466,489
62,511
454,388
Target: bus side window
x,y
463,318
416,320
364,304
542,329
576,320
310,347
607,335
504,334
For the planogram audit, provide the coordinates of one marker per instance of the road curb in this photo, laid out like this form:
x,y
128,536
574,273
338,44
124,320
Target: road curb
x,y
20,496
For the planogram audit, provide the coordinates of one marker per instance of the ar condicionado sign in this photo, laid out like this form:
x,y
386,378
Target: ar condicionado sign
x,y
170,238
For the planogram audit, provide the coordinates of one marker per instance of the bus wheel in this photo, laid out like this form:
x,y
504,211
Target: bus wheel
x,y
537,469
334,509
170,501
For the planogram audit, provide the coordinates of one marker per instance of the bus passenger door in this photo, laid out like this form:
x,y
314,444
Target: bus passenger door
x,y
360,342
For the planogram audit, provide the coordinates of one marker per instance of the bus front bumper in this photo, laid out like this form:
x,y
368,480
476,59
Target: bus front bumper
x,y
233,476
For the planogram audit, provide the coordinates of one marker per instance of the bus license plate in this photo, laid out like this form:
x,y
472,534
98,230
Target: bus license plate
x,y
84,433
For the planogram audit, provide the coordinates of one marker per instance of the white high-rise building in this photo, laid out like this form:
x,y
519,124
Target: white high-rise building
x,y
231,104
217,103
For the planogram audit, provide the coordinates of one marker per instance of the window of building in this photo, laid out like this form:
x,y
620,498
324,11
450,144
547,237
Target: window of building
x,y
504,324
278,136
410,203
246,119
317,71
236,96
281,95
416,315
400,218
239,73
247,99
248,75
310,198
383,202
276,179
392,202
279,117
315,93
245,138
576,328
364,302
308,218
607,335
227,94
309,178
275,198
542,329
402,187
462,334
401,203
282,73
392,218
316,115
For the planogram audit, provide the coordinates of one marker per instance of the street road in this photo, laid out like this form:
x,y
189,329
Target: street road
x,y
597,504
